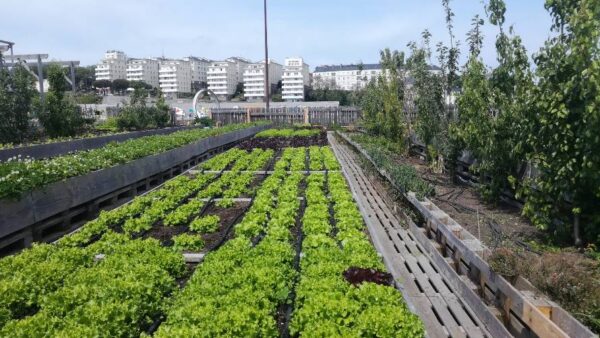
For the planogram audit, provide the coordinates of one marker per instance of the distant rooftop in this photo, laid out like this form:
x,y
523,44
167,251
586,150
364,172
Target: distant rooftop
x,y
338,68
366,66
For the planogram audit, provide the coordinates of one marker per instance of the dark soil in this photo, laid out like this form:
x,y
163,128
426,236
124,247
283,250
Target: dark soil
x,y
491,223
282,142
227,216
250,189
165,234
357,276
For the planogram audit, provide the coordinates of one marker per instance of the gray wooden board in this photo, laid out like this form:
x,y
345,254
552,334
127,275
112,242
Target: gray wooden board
x,y
382,224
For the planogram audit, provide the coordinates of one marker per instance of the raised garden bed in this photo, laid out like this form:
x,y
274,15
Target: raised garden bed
x,y
52,149
56,198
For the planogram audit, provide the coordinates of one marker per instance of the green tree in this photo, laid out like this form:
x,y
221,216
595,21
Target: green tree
x,y
565,124
511,82
84,77
474,125
428,96
59,116
16,95
450,55
120,85
383,99
102,84
139,95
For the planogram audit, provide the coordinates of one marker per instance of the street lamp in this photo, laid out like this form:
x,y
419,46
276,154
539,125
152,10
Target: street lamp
x,y
267,86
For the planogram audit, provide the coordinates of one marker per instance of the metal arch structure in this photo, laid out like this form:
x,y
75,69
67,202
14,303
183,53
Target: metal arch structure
x,y
213,96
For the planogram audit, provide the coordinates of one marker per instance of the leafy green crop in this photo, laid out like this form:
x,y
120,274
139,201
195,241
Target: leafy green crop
x,y
288,132
118,296
206,224
188,242
326,304
238,288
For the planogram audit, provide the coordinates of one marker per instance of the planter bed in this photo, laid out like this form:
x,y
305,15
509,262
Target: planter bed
x,y
60,197
57,148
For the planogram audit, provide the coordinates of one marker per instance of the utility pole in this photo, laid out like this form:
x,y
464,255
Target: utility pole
x,y
267,85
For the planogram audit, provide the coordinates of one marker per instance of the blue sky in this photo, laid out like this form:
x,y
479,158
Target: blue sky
x,y
323,32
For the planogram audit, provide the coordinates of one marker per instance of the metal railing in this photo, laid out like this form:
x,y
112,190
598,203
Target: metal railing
x,y
325,116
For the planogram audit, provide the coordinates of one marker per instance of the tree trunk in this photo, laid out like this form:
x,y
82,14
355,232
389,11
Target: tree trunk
x,y
576,231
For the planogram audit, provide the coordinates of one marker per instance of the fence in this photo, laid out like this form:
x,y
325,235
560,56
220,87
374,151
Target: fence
x,y
326,116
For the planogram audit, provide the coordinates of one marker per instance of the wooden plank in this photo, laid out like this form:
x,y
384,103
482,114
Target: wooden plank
x,y
432,326
441,308
409,257
528,313
491,323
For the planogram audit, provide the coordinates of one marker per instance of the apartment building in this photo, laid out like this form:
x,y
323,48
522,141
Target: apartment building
x,y
346,77
199,67
254,79
223,76
175,76
145,70
112,67
296,77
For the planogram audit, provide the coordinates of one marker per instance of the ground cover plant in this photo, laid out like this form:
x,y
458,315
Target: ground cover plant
x,y
403,175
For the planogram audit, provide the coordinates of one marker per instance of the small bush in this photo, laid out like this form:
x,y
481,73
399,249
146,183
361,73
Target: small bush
x,y
139,117
111,124
504,262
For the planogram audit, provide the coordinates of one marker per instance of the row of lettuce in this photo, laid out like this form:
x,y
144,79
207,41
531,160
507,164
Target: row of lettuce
x,y
240,288
20,175
289,132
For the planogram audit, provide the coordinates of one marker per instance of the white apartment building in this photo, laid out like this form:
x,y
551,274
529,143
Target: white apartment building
x,y
113,66
223,76
145,70
175,76
295,77
346,77
199,67
254,79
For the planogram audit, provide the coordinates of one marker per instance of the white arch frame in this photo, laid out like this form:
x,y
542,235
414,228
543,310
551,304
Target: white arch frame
x,y
195,101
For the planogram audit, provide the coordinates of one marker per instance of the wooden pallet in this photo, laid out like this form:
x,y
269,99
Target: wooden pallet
x,y
456,252
427,292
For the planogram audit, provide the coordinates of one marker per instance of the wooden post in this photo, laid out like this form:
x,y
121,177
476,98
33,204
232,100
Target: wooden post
x,y
306,115
248,120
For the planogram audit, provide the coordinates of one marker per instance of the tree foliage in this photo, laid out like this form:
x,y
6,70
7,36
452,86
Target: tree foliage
x,y
120,85
58,115
16,95
137,115
383,99
564,138
428,98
